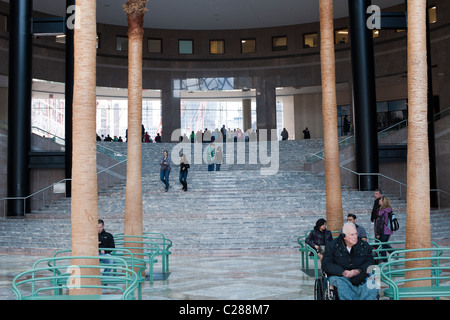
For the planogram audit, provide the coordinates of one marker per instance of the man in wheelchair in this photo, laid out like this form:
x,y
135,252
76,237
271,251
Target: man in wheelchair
x,y
346,261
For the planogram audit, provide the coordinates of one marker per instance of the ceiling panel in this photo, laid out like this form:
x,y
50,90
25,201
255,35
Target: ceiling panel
x,y
213,14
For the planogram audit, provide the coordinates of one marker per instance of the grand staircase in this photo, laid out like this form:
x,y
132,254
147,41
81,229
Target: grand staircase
x,y
232,212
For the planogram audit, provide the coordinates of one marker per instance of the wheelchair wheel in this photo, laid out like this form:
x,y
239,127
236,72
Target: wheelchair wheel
x,y
319,290
323,290
331,293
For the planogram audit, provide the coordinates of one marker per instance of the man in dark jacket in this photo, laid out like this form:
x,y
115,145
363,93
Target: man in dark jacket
x,y
346,261
376,205
105,240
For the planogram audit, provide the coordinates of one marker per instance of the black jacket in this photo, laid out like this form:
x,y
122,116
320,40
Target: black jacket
x,y
319,238
106,240
337,259
376,206
186,166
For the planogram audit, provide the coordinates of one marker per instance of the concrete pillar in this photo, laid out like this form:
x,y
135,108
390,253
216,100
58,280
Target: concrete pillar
x,y
69,102
19,105
247,114
364,96
170,111
289,116
266,105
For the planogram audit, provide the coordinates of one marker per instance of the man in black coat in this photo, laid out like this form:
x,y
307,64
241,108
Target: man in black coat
x,y
346,261
105,240
376,205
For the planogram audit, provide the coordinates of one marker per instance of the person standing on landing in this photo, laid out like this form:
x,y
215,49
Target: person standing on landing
x,y
165,169
184,166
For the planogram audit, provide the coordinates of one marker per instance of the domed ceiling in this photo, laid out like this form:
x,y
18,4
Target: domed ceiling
x,y
213,14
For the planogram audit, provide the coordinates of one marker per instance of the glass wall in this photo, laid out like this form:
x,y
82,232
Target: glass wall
x,y
47,118
112,118
343,112
198,115
390,113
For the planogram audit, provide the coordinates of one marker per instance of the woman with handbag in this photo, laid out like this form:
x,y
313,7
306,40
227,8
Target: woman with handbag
x,y
382,227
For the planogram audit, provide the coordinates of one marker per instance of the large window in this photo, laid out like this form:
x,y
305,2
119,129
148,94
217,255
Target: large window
x,y
112,117
390,113
204,84
47,118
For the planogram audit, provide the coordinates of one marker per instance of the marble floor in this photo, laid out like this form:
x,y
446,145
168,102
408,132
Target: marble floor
x,y
259,277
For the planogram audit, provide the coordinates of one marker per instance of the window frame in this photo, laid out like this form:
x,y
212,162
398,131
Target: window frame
x,y
216,40
185,40
279,48
245,40
160,45
336,31
123,37
308,34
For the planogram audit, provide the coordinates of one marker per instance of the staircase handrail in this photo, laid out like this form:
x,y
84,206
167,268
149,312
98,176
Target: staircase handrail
x,y
25,198
57,139
111,152
401,184
61,141
399,125
447,110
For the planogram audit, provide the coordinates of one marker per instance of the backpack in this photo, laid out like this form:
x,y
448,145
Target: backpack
x,y
393,222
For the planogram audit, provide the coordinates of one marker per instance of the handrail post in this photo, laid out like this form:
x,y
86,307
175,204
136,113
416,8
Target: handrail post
x,y
439,199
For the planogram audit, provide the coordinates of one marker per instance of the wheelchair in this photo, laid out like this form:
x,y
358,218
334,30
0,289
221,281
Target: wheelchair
x,y
323,290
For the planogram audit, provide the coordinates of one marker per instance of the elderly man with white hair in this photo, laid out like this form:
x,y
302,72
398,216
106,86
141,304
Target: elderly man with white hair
x,y
346,261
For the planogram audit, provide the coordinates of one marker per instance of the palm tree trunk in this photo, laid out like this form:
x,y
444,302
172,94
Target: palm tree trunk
x,y
329,113
84,210
135,10
418,177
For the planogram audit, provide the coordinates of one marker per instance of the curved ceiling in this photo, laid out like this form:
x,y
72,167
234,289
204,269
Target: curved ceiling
x,y
213,14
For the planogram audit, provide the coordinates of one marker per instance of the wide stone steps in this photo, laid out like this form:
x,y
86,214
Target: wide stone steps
x,y
233,211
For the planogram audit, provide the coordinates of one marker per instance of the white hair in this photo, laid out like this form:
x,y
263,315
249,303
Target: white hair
x,y
346,225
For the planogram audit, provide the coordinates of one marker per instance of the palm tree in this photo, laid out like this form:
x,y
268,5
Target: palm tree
x,y
84,207
329,113
135,10
418,189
